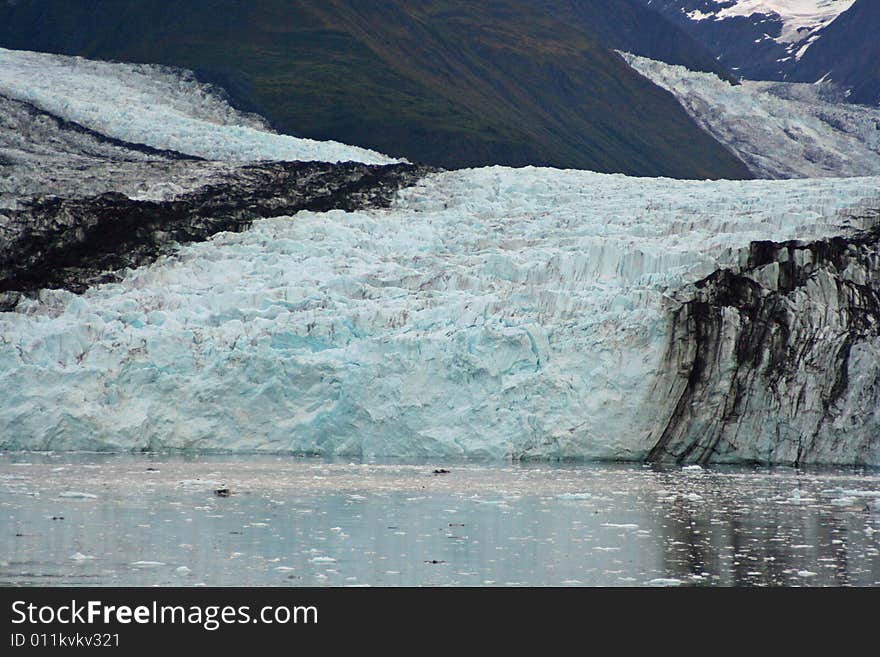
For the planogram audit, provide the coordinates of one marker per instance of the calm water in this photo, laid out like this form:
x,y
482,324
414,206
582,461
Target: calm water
x,y
127,520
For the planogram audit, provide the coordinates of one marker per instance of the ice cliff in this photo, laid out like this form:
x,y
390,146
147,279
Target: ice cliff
x,y
528,313
779,361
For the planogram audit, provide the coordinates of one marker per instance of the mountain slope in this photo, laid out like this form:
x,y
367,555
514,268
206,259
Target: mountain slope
x,y
626,25
445,82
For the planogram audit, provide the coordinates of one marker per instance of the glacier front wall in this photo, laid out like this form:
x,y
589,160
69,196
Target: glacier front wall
x,y
489,313
778,362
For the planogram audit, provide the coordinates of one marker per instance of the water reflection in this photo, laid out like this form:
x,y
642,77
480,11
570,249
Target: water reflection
x,y
125,520
750,530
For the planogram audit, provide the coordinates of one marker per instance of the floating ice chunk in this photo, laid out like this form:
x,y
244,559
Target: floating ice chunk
x,y
200,483
664,581
692,468
322,560
147,564
74,494
806,573
79,556
182,570
620,526
574,496
861,493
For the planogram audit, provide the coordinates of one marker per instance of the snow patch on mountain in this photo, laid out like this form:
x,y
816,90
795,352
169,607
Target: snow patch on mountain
x,y
492,312
799,18
793,25
780,130
157,106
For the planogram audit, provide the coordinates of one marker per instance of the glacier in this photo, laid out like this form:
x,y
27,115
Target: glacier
x,y
778,129
779,359
500,313
160,107
380,309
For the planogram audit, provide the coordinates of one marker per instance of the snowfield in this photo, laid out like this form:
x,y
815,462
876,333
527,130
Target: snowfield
x,y
490,313
779,129
157,106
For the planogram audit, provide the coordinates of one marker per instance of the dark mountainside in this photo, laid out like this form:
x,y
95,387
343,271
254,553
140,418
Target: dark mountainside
x,y
848,52
629,26
450,83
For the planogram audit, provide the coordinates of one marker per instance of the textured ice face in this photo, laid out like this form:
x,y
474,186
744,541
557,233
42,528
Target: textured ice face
x,y
491,312
780,130
157,106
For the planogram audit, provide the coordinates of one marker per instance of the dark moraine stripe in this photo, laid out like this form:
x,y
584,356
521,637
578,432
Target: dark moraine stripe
x,y
72,244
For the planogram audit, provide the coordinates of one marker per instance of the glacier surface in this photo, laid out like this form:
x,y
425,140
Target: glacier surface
x,y
779,129
43,155
489,313
164,108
